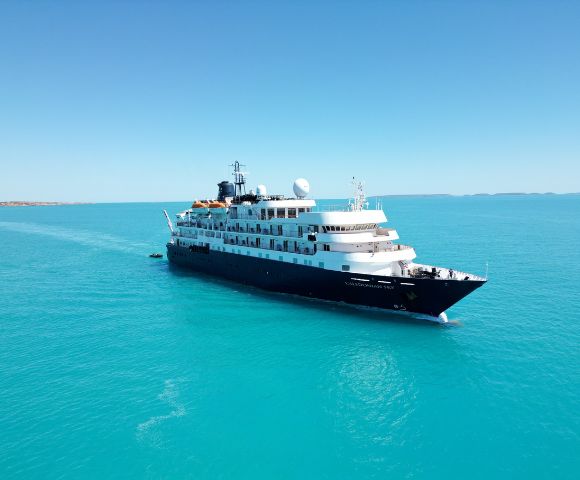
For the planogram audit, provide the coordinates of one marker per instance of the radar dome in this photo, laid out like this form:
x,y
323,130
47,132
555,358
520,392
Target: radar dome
x,y
261,190
301,187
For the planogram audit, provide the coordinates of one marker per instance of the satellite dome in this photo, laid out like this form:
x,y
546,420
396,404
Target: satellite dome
x,y
261,190
301,187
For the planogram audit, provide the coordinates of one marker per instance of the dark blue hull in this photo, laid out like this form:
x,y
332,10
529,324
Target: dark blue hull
x,y
423,296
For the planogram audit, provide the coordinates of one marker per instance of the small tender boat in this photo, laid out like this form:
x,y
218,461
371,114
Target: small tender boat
x,y
156,255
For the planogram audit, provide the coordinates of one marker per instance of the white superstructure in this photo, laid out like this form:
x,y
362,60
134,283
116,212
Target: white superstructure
x,y
349,238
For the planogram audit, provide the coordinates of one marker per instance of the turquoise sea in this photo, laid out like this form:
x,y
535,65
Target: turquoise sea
x,y
113,365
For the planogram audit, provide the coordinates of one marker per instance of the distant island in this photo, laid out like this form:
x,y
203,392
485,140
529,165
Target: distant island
x,y
36,204
509,194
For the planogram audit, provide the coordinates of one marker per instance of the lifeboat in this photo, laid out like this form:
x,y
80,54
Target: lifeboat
x,y
217,208
198,207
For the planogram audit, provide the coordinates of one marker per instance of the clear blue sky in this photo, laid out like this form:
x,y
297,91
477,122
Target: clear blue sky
x,y
137,101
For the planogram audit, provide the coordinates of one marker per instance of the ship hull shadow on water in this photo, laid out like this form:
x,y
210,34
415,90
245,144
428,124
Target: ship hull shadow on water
x,y
424,298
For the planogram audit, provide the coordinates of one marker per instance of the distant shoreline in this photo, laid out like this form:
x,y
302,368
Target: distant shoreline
x,y
402,195
38,204
500,194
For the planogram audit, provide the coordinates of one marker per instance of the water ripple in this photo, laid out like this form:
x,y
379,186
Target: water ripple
x,y
85,237
148,431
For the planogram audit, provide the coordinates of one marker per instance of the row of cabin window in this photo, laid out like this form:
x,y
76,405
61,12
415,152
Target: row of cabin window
x,y
348,228
345,268
281,212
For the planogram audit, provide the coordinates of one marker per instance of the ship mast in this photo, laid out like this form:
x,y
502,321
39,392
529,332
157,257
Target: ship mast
x,y
359,200
239,179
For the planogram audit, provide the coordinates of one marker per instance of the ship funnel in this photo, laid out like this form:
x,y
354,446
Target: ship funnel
x,y
225,189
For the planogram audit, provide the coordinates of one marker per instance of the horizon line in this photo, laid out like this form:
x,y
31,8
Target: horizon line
x,y
16,203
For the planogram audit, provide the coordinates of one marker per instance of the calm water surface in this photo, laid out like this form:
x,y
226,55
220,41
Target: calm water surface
x,y
114,365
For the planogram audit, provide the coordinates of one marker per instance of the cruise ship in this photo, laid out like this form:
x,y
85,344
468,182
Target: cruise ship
x,y
291,245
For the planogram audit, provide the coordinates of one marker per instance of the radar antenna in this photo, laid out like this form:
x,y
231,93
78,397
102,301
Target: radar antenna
x,y
239,179
358,202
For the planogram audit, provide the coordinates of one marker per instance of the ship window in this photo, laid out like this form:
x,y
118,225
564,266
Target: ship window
x,y
326,247
291,213
247,252
300,210
295,260
305,262
263,213
346,268
281,259
280,212
260,255
270,213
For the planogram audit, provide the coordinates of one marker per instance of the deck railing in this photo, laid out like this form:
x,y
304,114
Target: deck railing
x,y
440,273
